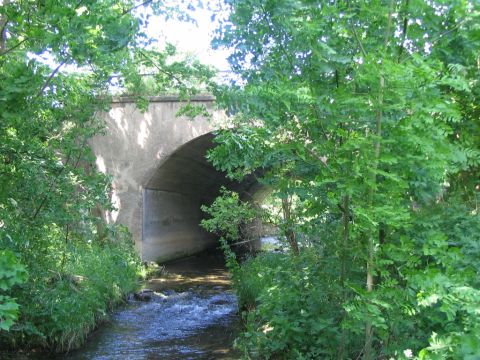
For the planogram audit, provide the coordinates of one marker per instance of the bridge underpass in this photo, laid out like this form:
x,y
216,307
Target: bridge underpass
x,y
160,176
173,197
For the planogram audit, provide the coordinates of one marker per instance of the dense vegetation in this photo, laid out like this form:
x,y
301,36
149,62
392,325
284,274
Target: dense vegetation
x,y
61,266
363,119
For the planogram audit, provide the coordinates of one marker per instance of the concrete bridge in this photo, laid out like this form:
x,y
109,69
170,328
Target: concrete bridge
x,y
160,175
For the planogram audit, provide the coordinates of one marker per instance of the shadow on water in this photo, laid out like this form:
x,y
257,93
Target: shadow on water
x,y
192,315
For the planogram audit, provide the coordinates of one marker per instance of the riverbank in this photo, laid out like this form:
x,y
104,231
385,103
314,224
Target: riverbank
x,y
60,305
192,314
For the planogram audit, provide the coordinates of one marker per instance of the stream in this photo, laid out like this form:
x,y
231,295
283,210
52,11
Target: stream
x,y
192,315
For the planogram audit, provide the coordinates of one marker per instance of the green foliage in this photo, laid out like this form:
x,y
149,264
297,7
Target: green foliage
x,y
443,272
227,215
62,307
297,305
60,61
366,113
11,273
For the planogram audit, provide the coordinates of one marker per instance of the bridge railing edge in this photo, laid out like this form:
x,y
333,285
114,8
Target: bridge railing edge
x,y
164,98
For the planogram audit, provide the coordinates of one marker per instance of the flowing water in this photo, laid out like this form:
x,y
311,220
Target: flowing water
x,y
192,315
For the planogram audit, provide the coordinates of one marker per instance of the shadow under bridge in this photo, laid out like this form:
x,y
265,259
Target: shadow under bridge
x,y
172,199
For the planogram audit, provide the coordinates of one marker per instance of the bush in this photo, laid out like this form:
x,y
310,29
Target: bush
x,y
426,303
11,273
294,307
255,275
59,309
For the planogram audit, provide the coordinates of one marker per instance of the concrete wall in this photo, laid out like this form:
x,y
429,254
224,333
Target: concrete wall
x,y
160,177
170,225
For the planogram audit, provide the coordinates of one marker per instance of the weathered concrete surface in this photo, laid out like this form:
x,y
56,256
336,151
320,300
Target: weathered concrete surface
x,y
160,176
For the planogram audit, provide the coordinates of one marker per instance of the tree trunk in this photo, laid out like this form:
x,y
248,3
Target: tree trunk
x,y
368,354
3,29
368,349
343,269
289,233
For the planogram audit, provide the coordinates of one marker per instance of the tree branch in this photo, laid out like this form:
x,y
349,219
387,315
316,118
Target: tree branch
x,y
362,49
405,28
442,35
322,159
52,184
125,12
357,38
5,52
389,25
52,75
163,71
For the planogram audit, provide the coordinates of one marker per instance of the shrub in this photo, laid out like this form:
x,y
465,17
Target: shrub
x,y
60,308
294,305
11,274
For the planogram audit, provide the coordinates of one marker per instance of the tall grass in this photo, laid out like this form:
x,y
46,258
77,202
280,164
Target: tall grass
x,y
60,308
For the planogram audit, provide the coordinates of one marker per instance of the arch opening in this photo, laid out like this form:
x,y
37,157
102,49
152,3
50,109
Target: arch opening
x,y
172,198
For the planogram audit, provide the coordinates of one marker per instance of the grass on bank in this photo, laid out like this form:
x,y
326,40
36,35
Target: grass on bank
x,y
59,308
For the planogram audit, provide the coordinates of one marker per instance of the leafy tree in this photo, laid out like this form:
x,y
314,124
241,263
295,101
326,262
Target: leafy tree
x,y
363,109
59,63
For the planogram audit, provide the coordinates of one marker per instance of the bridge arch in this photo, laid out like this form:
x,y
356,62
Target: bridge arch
x,y
160,176
172,198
